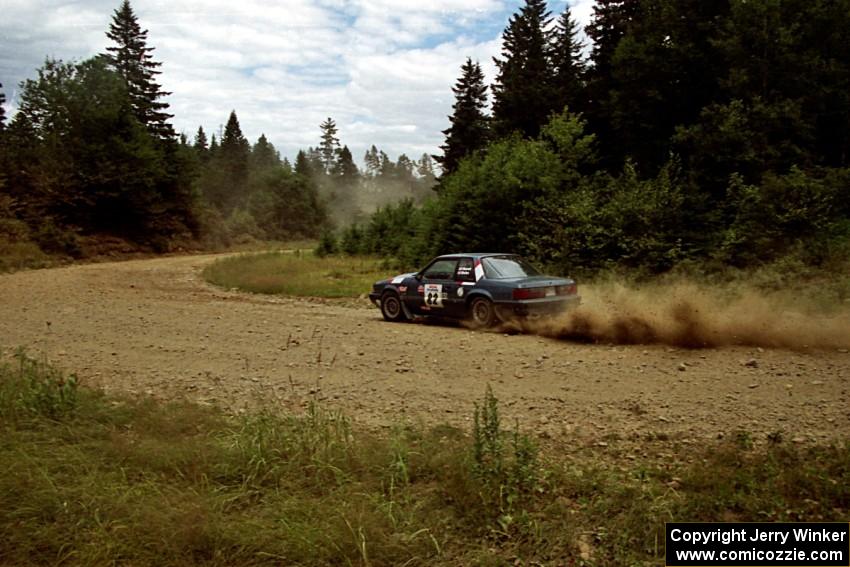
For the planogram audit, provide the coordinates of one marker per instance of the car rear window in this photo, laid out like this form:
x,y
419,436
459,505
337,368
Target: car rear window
x,y
503,267
465,270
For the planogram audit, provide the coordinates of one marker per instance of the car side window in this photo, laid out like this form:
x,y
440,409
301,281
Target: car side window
x,y
441,270
465,270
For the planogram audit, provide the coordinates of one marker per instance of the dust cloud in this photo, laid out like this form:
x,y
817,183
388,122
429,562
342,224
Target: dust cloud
x,y
693,316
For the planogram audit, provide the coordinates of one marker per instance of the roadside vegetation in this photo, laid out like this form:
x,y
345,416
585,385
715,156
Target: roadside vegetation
x,y
668,144
298,273
734,160
94,479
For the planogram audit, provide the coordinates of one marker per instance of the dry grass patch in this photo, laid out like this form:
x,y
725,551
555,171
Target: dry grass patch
x,y
297,273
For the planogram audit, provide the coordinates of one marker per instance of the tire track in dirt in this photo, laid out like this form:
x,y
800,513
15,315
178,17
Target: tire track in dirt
x,y
154,328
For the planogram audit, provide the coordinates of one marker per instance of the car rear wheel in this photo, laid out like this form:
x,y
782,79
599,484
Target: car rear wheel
x,y
391,307
482,314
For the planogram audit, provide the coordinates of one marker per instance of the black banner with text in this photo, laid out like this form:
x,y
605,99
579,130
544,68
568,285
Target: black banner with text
x,y
747,544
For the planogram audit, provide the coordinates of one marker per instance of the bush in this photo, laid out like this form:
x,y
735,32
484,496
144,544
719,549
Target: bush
x,y
242,226
351,242
20,255
327,244
55,240
803,210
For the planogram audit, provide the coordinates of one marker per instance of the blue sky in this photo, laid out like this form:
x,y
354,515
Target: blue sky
x,y
382,69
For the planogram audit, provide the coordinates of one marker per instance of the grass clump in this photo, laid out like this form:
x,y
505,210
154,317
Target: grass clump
x,y
34,388
90,479
299,274
509,475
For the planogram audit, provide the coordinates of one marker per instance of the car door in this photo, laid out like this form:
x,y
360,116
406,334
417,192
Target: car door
x,y
437,288
464,281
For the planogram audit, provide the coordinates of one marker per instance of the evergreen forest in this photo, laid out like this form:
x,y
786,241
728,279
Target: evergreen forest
x,y
669,133
690,133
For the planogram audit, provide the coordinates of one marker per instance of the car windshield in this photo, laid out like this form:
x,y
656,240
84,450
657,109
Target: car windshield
x,y
502,267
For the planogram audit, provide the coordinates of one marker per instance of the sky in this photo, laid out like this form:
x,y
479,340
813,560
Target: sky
x,y
382,69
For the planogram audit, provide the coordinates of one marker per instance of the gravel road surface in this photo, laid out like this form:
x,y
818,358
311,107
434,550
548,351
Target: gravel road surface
x,y
155,328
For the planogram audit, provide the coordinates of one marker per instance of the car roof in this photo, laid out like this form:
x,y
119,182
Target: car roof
x,y
475,255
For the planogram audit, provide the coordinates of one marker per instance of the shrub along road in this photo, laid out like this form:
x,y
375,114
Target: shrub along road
x,y
154,328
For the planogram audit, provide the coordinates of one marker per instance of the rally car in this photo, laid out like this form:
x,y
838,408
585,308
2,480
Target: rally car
x,y
480,288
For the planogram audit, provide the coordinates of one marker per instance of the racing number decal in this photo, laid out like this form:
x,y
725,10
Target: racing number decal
x,y
433,295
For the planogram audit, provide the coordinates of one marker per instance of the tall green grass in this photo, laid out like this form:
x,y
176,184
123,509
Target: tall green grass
x,y
297,273
89,479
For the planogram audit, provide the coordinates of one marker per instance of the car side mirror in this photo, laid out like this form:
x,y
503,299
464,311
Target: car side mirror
x,y
418,276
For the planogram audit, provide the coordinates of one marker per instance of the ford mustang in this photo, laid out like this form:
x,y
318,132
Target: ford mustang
x,y
480,288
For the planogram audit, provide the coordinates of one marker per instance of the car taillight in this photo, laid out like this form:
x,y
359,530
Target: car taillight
x,y
530,293
571,289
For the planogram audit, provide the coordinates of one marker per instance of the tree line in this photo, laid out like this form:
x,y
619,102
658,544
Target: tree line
x,y
250,192
90,153
708,132
91,150
692,132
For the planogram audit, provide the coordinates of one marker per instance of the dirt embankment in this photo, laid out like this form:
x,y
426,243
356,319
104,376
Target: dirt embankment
x,y
620,374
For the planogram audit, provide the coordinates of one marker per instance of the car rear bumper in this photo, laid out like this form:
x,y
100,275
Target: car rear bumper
x,y
375,298
544,306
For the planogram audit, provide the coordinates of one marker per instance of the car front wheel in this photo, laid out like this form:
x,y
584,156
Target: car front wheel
x,y
482,314
391,307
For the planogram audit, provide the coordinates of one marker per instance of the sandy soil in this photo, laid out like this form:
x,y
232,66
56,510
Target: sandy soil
x,y
154,328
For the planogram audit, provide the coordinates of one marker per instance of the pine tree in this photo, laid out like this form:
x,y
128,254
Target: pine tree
x,y
213,146
264,156
386,169
302,165
611,20
314,158
346,179
233,155
372,161
470,127
665,70
2,109
523,95
235,148
330,145
568,64
426,179
425,170
132,59
201,140
345,169
404,168
200,145
3,155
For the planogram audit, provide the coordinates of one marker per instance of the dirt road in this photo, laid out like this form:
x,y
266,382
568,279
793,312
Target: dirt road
x,y
154,328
